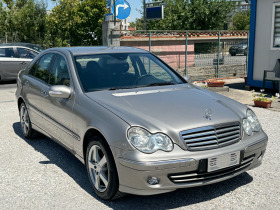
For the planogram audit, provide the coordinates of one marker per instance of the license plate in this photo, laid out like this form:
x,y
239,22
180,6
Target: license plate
x,y
223,161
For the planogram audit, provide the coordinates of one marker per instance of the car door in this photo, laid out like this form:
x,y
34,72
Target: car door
x,y
9,63
26,55
33,85
58,111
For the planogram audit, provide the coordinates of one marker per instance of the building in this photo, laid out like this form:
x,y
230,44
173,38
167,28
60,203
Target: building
x,y
264,44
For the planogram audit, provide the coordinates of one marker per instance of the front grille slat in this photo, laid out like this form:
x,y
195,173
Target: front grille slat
x,y
201,139
228,138
211,137
227,134
202,143
187,136
222,130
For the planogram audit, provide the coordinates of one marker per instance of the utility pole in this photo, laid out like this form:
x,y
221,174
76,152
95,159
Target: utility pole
x,y
144,6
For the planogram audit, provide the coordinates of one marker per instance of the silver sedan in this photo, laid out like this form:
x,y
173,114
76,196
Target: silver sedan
x,y
138,126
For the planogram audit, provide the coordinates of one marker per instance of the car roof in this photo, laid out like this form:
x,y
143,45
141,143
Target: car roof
x,y
21,44
99,50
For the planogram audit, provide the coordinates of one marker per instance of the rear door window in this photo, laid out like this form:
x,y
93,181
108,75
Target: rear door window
x,y
7,52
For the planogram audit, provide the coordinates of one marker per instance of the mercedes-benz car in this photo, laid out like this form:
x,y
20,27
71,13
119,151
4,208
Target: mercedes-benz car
x,y
138,126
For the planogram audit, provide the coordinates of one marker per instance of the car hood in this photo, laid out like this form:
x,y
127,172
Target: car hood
x,y
170,108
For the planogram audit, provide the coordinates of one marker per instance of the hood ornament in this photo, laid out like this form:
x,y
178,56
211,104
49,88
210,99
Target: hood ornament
x,y
208,114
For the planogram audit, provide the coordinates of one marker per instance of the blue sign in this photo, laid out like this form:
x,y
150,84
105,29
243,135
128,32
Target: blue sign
x,y
109,3
123,9
153,13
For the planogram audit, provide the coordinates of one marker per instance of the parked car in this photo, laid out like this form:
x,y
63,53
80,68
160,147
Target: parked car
x,y
137,125
14,57
241,48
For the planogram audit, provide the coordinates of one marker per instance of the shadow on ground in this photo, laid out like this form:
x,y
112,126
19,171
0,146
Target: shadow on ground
x,y
8,82
237,86
74,168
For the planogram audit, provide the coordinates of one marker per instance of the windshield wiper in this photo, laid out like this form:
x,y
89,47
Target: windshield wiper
x,y
120,88
160,84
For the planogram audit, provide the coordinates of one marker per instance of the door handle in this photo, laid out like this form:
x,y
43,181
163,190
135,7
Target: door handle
x,y
44,94
23,63
26,84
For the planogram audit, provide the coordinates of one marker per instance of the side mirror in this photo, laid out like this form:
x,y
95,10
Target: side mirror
x,y
60,91
188,79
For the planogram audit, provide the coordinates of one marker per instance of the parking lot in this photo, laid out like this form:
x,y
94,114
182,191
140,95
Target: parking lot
x,y
40,174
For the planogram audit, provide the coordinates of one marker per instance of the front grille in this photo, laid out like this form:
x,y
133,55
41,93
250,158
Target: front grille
x,y
193,178
211,137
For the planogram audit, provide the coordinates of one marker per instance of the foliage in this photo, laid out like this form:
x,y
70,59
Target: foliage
x,y
262,97
75,22
191,15
23,19
241,20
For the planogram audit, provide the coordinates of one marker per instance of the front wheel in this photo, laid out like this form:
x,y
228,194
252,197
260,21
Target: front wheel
x,y
102,170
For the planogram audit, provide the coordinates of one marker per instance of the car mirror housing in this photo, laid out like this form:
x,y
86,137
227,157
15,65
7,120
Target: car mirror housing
x,y
60,91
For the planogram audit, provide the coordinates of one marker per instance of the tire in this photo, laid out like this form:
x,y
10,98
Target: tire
x,y
25,123
101,169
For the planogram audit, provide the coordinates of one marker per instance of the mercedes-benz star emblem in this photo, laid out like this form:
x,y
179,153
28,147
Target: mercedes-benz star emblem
x,y
208,114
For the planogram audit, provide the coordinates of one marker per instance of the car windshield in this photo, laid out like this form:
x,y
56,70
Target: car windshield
x,y
123,71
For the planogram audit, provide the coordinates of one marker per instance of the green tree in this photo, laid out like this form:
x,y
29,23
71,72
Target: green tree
x,y
241,20
191,15
75,22
24,20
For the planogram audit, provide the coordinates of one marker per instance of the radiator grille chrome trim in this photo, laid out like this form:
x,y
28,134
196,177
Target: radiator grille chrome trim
x,y
211,137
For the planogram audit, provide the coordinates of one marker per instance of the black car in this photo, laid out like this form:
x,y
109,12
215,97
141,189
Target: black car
x,y
241,48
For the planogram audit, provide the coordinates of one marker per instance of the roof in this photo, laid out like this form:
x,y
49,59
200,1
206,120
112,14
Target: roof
x,y
21,44
100,50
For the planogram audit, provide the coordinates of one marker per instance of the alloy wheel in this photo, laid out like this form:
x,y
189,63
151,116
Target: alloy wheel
x,y
98,168
24,120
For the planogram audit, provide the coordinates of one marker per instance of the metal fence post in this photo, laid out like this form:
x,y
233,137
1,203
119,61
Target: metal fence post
x,y
247,55
111,38
186,55
150,41
218,60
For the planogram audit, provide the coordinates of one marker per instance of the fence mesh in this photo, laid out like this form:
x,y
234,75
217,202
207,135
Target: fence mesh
x,y
204,50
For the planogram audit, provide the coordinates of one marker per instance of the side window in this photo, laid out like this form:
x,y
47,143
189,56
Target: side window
x,y
41,68
26,53
7,52
59,72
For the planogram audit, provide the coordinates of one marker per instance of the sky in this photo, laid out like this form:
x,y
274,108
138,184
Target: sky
x,y
135,4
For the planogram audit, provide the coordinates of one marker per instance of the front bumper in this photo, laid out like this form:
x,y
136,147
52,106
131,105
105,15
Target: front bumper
x,y
186,172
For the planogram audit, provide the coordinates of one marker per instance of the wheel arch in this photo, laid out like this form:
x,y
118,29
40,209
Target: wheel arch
x,y
19,102
90,133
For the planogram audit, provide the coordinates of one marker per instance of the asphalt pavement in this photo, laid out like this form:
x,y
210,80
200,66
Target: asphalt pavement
x,y
40,174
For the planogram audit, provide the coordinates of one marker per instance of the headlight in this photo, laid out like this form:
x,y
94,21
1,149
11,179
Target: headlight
x,y
251,123
147,142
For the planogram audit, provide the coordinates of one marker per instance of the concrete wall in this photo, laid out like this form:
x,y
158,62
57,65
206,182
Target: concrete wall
x,y
208,72
171,51
265,57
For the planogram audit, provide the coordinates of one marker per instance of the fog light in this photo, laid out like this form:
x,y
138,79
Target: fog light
x,y
153,180
260,157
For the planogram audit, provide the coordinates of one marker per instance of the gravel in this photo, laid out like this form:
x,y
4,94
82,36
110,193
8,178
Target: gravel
x,y
40,174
